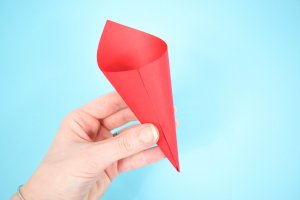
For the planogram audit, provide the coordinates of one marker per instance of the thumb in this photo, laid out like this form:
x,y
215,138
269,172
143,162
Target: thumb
x,y
130,141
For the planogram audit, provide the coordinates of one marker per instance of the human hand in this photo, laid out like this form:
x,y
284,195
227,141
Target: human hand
x,y
84,157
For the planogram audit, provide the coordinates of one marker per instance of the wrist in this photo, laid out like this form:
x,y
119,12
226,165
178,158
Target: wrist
x,y
15,197
19,194
34,188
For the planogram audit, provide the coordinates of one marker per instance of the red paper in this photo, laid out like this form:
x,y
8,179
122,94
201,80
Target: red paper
x,y
137,65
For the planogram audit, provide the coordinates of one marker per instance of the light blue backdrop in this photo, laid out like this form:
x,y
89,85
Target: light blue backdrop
x,y
236,82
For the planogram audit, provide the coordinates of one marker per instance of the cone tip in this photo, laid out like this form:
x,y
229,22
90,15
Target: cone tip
x,y
175,163
176,166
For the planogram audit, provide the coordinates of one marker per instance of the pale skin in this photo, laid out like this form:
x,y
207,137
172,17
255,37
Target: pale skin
x,y
84,157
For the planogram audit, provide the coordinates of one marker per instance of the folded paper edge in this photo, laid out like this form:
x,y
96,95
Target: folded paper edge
x,y
101,38
175,162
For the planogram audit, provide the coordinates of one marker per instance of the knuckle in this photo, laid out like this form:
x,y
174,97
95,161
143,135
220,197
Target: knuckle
x,y
130,114
143,158
125,144
68,118
123,118
132,164
72,116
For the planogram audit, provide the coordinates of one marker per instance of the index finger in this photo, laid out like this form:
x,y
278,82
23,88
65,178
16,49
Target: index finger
x,y
104,106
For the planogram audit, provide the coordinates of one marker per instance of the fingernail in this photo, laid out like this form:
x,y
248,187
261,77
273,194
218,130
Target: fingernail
x,y
148,134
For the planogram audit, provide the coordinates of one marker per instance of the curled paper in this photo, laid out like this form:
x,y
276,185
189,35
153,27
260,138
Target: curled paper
x,y
137,65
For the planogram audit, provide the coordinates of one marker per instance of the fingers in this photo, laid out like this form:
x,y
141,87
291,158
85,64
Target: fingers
x,y
141,159
119,118
104,106
131,141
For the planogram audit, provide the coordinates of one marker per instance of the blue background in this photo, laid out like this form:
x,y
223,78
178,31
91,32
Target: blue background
x,y
236,82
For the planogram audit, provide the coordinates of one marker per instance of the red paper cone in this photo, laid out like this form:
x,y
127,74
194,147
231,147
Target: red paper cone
x,y
137,65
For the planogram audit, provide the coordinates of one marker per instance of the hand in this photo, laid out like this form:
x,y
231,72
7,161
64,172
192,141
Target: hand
x,y
84,157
